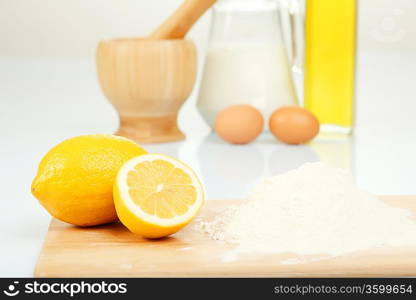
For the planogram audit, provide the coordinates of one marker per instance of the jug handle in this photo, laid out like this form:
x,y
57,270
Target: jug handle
x,y
293,30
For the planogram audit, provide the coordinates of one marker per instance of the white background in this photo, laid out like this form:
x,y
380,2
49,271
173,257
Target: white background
x,y
48,92
72,28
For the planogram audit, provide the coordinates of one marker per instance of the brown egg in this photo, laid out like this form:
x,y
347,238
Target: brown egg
x,y
239,124
293,125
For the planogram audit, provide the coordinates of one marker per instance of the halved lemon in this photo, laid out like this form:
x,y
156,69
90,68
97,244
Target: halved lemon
x,y
156,195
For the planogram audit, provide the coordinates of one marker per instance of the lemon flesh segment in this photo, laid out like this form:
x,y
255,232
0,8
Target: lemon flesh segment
x,y
156,195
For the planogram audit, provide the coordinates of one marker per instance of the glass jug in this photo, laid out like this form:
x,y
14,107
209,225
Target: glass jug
x,y
246,60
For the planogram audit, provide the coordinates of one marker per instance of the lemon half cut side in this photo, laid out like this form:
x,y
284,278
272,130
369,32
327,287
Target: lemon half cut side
x,y
156,195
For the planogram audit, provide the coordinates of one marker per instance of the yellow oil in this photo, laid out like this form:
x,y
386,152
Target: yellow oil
x,y
330,61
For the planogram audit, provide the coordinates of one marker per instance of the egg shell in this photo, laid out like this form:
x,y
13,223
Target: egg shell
x,y
293,125
239,124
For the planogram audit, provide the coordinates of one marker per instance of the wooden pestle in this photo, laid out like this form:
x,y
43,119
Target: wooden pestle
x,y
147,80
182,20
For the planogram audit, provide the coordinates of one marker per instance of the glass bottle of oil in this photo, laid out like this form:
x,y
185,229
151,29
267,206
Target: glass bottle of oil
x,y
330,62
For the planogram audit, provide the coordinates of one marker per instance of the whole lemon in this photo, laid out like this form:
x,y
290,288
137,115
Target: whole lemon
x,y
75,178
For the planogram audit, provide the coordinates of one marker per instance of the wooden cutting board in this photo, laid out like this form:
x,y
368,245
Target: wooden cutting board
x,y
112,251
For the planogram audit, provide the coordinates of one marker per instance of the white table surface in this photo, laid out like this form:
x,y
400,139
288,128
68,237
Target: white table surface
x,y
45,101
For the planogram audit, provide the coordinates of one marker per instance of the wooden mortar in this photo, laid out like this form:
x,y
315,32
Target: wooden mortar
x,y
148,80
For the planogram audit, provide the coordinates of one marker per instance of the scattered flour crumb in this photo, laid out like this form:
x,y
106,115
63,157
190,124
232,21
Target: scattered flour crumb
x,y
315,209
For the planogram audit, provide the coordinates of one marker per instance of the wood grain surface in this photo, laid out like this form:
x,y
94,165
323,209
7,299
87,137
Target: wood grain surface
x,y
112,251
182,20
147,81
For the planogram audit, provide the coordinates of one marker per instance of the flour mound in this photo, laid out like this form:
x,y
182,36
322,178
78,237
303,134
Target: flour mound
x,y
315,209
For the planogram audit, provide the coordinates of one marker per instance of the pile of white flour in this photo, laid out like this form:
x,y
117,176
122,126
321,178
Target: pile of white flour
x,y
315,209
